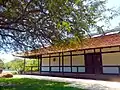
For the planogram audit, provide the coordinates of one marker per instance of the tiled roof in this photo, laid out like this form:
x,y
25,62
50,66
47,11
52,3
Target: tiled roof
x,y
103,41
96,42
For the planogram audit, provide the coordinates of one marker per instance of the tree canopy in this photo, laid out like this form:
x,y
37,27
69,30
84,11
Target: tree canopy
x,y
1,64
36,23
18,64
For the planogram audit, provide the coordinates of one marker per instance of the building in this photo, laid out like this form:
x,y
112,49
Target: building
x,y
98,55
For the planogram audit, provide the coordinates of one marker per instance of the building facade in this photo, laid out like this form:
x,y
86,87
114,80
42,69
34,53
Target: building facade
x,y
91,61
100,56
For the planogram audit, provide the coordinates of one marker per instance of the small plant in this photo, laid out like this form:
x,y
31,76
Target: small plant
x,y
14,73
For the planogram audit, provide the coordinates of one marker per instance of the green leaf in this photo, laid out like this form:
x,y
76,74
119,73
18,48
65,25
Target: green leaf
x,y
77,1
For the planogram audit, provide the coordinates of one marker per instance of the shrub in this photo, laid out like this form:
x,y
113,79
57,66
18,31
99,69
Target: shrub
x,y
14,73
6,75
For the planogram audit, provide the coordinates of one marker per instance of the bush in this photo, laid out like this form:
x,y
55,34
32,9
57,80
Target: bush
x,y
14,72
6,75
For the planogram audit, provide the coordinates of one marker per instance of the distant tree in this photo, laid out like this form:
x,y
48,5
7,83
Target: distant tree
x,y
1,64
15,65
18,64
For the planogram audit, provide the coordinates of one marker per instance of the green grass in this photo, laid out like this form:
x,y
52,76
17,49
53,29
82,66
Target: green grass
x,y
33,84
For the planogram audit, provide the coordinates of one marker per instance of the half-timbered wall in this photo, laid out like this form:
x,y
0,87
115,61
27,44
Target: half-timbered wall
x,y
64,62
111,60
73,61
78,61
45,62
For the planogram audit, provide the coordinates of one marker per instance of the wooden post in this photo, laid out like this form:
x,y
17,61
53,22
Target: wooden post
x,y
31,69
59,62
40,63
94,66
49,63
62,64
31,66
85,61
101,59
71,61
119,70
24,65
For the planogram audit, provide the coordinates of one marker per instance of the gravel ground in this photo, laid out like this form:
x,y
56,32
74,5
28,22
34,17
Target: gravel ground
x,y
79,83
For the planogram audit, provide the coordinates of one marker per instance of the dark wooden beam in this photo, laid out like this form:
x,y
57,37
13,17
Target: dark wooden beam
x,y
31,69
84,53
62,63
59,62
24,65
77,69
40,63
71,60
101,59
50,63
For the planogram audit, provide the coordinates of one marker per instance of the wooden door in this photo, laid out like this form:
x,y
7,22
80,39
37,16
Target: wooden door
x,y
97,63
93,63
89,64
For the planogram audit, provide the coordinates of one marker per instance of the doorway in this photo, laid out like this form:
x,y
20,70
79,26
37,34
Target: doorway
x,y
93,63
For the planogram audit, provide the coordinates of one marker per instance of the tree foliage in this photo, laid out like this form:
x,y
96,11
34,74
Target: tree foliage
x,y
1,64
28,24
18,65
15,65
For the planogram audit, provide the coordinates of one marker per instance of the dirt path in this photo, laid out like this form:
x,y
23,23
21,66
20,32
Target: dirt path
x,y
79,83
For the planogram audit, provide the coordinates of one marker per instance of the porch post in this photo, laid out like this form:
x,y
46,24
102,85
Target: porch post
x,y
49,63
59,62
62,63
101,60
40,63
85,61
71,61
94,67
31,67
24,65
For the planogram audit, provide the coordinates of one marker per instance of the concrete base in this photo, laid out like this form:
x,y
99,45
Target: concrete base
x,y
77,75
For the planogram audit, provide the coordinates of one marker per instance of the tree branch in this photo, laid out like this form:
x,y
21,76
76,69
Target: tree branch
x,y
9,28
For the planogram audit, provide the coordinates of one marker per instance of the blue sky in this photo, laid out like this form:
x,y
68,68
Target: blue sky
x,y
114,22
114,4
